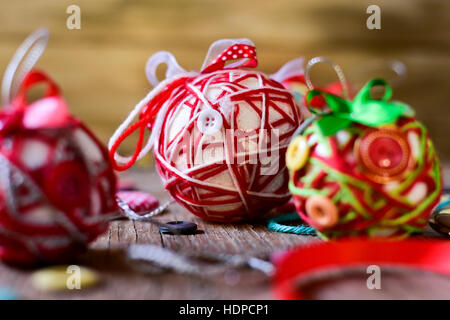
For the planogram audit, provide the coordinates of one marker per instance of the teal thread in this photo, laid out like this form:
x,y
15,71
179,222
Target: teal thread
x,y
442,205
275,224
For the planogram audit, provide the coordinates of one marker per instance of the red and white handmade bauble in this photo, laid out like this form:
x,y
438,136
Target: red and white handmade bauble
x,y
57,187
220,136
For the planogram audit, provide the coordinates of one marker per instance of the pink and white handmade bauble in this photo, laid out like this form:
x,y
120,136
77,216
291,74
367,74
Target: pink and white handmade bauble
x,y
57,187
219,136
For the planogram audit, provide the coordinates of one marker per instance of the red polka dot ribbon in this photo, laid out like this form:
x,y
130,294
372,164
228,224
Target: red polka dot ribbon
x,y
244,52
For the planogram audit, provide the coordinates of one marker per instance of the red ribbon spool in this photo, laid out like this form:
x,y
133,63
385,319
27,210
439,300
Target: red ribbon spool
x,y
298,264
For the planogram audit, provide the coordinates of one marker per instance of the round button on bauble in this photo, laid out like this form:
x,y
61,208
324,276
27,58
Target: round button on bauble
x,y
322,211
297,153
384,154
178,227
68,185
209,121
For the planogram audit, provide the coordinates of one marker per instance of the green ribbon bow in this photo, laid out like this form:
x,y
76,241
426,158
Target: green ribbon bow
x,y
363,109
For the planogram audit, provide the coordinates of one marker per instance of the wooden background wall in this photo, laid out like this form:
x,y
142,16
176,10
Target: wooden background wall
x,y
101,66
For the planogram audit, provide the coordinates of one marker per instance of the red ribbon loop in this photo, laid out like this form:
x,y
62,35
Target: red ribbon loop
x,y
146,120
33,78
50,111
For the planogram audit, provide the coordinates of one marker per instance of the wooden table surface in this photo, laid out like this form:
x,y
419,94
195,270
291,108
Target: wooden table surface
x,y
122,279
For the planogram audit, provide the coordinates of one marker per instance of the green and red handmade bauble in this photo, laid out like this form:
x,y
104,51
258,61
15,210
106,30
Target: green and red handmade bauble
x,y
365,167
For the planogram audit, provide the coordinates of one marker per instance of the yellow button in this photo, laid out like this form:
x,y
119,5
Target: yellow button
x,y
64,277
297,153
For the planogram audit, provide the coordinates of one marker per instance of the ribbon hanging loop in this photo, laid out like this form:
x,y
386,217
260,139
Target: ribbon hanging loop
x,y
162,57
22,62
335,67
289,69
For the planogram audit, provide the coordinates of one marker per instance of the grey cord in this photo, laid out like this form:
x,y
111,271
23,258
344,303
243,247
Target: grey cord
x,y
336,68
22,62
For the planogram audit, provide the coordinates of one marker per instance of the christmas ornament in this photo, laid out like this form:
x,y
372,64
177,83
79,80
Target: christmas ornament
x,y
363,167
57,186
219,136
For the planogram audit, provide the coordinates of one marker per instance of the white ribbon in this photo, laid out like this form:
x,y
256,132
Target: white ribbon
x,y
289,69
173,68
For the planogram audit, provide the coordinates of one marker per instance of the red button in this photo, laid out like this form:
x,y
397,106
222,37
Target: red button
x,y
67,185
384,154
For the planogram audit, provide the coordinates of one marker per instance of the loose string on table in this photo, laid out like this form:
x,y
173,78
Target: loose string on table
x,y
276,224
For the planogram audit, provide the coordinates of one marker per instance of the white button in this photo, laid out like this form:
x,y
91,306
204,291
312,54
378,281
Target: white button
x,y
209,121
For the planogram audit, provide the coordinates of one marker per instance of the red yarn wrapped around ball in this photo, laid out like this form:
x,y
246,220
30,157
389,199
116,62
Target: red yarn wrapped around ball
x,y
57,187
219,136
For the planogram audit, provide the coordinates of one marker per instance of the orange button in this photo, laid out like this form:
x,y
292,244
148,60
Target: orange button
x,y
322,211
